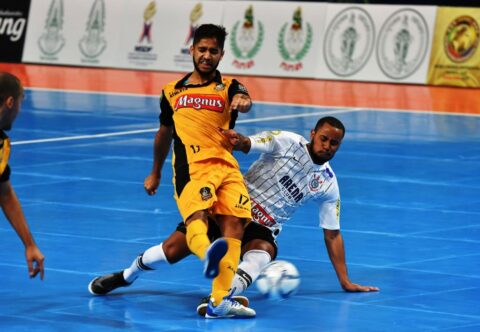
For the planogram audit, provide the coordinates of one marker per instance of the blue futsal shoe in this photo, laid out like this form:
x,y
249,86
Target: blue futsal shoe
x,y
214,255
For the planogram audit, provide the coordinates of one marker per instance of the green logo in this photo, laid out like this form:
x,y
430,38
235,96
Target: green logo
x,y
246,39
294,41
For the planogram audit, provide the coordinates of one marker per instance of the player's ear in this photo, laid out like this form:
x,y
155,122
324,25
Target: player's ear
x,y
9,102
191,50
312,133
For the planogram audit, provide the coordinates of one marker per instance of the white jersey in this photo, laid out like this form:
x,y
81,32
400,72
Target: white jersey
x,y
285,177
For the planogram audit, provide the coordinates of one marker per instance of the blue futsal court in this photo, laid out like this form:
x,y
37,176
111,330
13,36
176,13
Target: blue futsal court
x,y
409,184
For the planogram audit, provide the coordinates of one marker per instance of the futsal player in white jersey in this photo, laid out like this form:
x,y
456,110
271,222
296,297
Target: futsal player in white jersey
x,y
290,171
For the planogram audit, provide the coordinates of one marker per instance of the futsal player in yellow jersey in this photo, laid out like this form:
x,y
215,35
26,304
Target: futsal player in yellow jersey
x,y
207,179
11,96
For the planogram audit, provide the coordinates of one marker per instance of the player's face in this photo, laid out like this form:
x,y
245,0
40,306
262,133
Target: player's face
x,y
206,56
9,112
324,143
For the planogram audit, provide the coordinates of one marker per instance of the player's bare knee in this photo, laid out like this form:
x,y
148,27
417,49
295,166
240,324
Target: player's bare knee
x,y
175,248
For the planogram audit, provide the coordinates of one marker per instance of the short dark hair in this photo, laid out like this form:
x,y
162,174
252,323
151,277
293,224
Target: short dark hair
x,y
334,122
210,31
10,86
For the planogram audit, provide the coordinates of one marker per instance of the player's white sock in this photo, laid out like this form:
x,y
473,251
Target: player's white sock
x,y
248,270
151,259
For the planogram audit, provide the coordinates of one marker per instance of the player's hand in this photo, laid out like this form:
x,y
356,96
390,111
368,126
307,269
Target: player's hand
x,y
151,184
240,102
231,135
35,260
351,287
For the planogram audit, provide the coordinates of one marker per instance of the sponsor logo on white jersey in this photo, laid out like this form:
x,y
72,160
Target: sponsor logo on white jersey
x,y
290,189
260,216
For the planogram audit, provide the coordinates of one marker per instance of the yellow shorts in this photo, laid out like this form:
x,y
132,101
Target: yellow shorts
x,y
216,186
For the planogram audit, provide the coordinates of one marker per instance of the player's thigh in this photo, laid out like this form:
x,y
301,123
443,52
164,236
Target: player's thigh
x,y
198,193
232,197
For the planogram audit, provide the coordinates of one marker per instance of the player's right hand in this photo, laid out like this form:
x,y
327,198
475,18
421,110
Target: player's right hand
x,y
35,260
151,184
231,135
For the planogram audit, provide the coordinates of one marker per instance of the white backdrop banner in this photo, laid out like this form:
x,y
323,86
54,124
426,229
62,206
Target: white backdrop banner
x,y
377,43
381,43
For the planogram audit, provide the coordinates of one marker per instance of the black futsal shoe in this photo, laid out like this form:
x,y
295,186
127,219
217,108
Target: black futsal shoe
x,y
105,284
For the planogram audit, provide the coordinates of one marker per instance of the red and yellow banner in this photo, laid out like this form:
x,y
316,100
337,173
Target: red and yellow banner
x,y
455,57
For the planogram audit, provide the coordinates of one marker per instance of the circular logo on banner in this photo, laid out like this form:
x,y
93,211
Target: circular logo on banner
x,y
402,43
461,38
349,41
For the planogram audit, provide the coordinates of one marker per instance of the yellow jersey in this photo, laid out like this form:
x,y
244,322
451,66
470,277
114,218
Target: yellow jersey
x,y
4,156
197,112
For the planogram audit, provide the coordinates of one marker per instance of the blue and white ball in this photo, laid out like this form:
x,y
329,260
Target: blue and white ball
x,y
278,280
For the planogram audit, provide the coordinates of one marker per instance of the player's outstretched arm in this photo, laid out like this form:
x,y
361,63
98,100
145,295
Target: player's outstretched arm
x,y
336,252
13,211
161,147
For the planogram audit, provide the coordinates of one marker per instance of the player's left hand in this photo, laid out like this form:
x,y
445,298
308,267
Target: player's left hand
x,y
241,102
351,287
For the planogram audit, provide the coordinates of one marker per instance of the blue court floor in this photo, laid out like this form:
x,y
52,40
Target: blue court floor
x,y
410,219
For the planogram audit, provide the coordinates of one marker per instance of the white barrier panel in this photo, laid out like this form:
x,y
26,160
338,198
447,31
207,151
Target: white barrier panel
x,y
379,43
159,33
273,38
84,33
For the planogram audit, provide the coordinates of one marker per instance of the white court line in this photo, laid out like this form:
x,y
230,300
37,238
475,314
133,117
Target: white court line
x,y
140,95
104,208
141,131
79,137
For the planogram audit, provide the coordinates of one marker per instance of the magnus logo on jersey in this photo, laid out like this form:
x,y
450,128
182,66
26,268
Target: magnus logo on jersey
x,y
290,189
259,215
195,101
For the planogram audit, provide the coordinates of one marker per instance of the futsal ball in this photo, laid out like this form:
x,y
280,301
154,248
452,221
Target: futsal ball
x,y
278,280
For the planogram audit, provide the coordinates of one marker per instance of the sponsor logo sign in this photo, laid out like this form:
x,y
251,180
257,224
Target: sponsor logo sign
x,y
294,41
349,41
13,24
93,42
246,39
142,54
461,38
52,41
402,43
